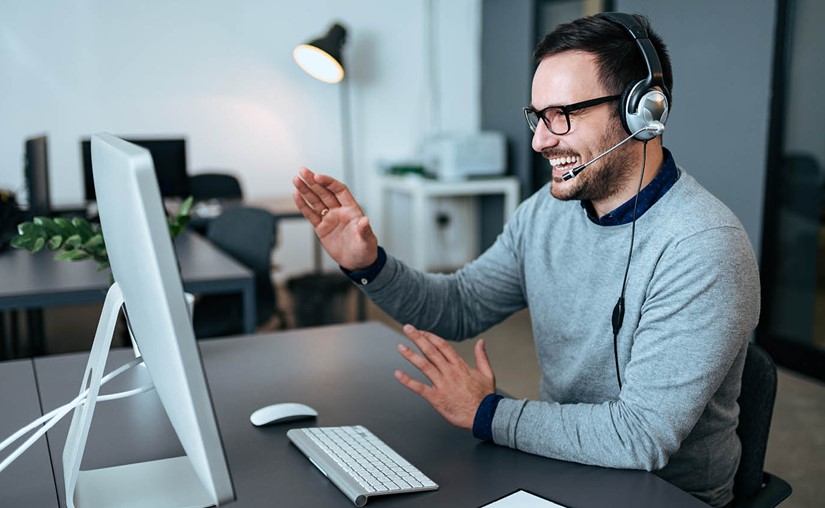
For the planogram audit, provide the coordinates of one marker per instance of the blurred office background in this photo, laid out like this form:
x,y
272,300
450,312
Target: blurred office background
x,y
744,123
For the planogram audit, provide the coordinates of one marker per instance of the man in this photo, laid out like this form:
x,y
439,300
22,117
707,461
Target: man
x,y
661,395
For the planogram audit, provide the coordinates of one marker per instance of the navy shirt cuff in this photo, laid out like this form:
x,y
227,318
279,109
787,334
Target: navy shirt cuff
x,y
483,422
368,274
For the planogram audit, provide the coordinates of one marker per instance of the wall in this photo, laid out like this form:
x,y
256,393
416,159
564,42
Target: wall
x,y
222,75
805,106
722,55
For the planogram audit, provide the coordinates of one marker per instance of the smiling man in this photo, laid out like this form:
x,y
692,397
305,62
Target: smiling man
x,y
642,287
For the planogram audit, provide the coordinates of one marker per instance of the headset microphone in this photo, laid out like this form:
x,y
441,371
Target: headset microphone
x,y
656,128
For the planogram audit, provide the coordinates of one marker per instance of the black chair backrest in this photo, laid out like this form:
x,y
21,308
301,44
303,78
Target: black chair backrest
x,y
755,412
207,186
249,235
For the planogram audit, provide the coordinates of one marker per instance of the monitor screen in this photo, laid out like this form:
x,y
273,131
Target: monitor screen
x,y
144,267
169,157
37,176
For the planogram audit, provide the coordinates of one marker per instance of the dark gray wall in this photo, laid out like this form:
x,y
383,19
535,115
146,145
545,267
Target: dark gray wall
x,y
722,53
507,43
506,73
805,105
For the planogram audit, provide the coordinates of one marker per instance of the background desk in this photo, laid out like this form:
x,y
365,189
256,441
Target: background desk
x,y
35,281
346,373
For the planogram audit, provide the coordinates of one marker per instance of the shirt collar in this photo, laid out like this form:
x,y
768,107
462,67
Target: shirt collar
x,y
657,188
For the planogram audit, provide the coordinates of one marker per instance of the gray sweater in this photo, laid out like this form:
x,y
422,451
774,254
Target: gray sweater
x,y
692,301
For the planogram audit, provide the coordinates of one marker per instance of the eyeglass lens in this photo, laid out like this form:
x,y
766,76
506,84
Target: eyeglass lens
x,y
554,118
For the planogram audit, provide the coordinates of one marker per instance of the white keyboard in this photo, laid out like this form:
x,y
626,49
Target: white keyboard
x,y
358,463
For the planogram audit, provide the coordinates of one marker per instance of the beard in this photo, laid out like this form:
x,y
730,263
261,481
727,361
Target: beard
x,y
604,178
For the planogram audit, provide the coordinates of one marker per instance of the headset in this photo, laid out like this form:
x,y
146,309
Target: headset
x,y
648,100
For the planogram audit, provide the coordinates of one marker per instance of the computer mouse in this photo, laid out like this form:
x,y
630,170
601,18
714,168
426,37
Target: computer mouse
x,y
282,412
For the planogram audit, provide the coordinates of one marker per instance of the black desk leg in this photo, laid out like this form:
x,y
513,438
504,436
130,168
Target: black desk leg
x,y
37,340
14,332
362,307
3,349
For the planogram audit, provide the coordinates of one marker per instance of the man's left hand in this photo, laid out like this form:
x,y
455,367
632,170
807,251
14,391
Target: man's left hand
x,y
457,389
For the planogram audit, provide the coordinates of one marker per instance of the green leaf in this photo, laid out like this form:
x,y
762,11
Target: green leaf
x,y
186,206
55,242
83,228
26,228
39,243
94,243
73,242
19,242
62,222
72,255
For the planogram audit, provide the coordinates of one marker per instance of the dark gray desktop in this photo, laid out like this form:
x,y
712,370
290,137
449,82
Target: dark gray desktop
x,y
346,373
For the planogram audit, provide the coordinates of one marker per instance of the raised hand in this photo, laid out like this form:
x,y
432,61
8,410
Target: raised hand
x,y
456,389
338,220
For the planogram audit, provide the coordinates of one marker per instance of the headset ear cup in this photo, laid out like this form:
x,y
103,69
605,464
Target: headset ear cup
x,y
624,105
652,107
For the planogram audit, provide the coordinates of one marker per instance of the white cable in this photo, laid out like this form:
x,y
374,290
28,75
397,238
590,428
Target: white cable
x,y
62,411
52,417
74,403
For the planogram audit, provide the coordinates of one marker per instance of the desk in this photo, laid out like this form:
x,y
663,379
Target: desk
x,y
346,373
28,481
35,281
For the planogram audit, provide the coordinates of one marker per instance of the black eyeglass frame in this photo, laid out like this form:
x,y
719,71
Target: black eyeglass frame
x,y
564,109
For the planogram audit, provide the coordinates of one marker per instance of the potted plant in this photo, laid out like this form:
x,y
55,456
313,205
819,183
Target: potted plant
x,y
77,239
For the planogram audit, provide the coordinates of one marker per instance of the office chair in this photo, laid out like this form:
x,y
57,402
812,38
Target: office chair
x,y
753,487
248,235
206,186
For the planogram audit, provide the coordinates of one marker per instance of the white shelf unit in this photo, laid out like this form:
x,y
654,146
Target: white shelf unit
x,y
434,225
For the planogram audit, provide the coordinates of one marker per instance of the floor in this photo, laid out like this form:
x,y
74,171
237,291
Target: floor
x,y
796,450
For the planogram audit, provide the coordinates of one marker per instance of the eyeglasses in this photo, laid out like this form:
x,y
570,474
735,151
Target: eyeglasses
x,y
557,118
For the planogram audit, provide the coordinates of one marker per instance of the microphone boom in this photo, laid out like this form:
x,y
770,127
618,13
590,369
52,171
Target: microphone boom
x,y
656,127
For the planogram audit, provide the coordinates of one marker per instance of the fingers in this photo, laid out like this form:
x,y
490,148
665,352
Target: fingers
x,y
335,191
317,193
420,362
482,361
455,390
308,195
434,347
413,384
307,211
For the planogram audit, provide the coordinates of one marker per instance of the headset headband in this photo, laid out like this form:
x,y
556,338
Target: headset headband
x,y
655,77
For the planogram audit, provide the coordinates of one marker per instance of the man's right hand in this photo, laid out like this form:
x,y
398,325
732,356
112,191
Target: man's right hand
x,y
338,220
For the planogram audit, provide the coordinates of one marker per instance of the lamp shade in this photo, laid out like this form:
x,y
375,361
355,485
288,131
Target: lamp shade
x,y
321,58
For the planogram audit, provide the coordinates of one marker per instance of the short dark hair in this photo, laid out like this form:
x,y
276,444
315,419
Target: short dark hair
x,y
618,57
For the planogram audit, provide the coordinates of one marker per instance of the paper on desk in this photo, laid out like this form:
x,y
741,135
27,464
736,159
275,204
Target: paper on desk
x,y
523,499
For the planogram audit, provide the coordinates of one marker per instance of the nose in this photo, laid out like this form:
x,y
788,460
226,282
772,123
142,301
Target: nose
x,y
543,138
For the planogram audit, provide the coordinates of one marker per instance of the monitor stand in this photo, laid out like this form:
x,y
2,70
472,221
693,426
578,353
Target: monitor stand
x,y
165,483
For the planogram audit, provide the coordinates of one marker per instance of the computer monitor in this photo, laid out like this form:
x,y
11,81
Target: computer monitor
x,y
37,176
169,156
148,283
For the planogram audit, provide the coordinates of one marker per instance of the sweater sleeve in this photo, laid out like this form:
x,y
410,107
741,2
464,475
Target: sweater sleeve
x,y
459,305
700,307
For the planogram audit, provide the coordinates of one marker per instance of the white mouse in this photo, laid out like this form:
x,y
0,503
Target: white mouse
x,y
283,412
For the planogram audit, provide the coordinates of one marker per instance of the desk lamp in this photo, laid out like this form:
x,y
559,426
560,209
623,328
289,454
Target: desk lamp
x,y
321,58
